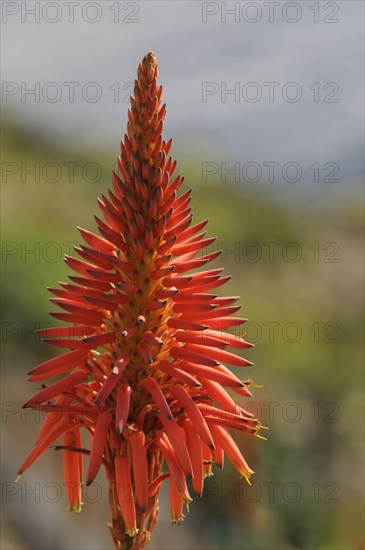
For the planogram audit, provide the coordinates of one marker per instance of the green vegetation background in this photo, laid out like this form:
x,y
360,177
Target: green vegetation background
x,y
308,484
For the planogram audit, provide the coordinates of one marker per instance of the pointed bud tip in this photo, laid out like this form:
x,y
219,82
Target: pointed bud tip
x,y
150,56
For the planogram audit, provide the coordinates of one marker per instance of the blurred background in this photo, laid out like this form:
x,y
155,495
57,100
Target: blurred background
x,y
265,105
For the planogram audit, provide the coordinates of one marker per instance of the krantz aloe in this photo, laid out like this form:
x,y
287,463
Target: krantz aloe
x,y
145,370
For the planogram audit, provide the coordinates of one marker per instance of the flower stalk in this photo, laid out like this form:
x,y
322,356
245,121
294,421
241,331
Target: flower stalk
x,y
145,368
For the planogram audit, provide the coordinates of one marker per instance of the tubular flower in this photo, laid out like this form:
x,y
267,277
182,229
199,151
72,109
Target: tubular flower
x,y
144,372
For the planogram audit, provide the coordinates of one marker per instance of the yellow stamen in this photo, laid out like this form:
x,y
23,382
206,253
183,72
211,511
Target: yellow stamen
x,y
247,478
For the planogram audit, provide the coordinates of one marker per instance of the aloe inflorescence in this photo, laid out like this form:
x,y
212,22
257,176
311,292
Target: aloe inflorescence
x,y
145,372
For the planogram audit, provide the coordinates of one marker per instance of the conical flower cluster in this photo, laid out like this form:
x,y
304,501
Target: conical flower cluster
x,y
145,372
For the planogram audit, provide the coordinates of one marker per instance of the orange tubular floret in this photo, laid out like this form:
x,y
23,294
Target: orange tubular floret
x,y
175,469
65,384
63,424
225,441
194,413
125,493
67,361
97,450
122,406
152,386
196,455
177,441
72,471
176,504
140,468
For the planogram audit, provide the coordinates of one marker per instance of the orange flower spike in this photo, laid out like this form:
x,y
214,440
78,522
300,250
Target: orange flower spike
x,y
140,467
125,493
97,450
71,471
145,339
